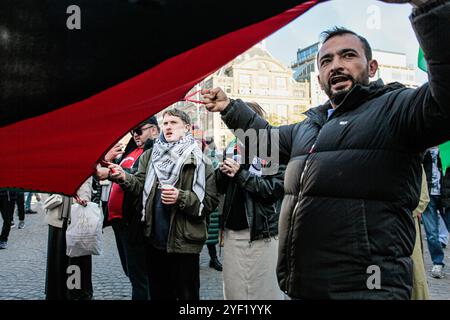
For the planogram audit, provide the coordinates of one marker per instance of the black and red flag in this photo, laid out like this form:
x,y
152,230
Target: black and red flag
x,y
68,93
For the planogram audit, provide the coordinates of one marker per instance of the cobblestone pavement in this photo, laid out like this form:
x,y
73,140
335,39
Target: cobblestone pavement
x,y
22,268
439,288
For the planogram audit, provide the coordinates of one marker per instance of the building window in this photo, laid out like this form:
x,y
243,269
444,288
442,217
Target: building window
x,y
281,82
297,110
244,90
244,78
282,112
299,93
263,80
396,76
264,91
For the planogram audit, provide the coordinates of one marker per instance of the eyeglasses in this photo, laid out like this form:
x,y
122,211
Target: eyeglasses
x,y
138,131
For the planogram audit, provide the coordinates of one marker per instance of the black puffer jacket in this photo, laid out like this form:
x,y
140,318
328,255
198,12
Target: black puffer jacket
x,y
353,180
445,179
262,196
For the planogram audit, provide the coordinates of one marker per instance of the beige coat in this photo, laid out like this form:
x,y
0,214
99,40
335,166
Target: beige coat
x,y
55,217
420,285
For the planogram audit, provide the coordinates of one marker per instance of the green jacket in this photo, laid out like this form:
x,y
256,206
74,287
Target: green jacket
x,y
188,229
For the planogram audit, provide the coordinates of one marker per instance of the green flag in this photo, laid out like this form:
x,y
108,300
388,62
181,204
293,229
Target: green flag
x,y
421,62
444,152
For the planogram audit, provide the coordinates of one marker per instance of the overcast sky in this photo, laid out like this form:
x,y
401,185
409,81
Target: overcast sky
x,y
386,27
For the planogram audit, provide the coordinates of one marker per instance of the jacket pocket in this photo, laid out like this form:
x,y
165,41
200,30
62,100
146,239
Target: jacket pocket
x,y
360,230
195,231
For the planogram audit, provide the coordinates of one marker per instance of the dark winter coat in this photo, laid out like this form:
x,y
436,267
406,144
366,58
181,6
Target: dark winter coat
x,y
353,180
262,196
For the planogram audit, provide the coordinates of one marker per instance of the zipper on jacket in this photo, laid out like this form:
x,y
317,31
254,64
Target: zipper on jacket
x,y
300,195
302,177
248,222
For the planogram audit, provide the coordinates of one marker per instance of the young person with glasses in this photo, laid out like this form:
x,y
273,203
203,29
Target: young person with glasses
x,y
121,209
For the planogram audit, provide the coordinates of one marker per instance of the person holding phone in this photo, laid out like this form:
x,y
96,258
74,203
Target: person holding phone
x,y
121,210
250,224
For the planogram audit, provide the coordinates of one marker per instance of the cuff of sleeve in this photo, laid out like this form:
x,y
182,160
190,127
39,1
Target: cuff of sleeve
x,y
181,201
242,176
227,108
126,184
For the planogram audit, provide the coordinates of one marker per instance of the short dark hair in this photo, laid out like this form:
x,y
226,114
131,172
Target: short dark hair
x,y
152,121
178,113
338,31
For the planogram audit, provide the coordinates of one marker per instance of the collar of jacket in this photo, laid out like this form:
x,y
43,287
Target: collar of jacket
x,y
355,97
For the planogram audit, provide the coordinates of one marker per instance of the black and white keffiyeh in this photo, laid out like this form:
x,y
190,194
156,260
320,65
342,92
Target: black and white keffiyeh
x,y
168,159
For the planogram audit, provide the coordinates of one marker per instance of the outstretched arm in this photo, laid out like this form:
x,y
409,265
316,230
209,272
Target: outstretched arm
x,y
424,114
237,115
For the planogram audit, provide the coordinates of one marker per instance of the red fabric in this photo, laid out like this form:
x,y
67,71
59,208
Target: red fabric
x,y
57,151
115,203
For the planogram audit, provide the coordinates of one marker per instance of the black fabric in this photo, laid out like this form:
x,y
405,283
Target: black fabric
x,y
235,215
445,179
259,197
56,270
7,211
133,260
64,66
106,221
173,276
57,263
445,191
96,191
352,181
119,229
86,290
20,201
161,222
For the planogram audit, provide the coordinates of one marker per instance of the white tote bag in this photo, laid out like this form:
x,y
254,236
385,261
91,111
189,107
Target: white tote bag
x,y
84,234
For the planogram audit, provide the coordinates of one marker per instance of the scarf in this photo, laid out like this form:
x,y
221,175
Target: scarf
x,y
167,161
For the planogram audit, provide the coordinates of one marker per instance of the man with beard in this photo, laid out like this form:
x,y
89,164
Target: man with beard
x,y
354,166
122,211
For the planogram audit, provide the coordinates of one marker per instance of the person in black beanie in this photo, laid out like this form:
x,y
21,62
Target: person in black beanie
x,y
121,209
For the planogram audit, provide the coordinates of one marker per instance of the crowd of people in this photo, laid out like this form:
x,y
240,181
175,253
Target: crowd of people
x,y
352,182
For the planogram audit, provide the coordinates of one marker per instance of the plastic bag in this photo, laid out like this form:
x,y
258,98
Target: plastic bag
x,y
84,234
